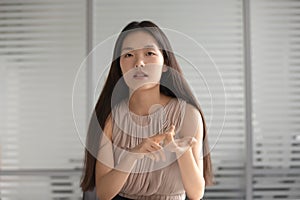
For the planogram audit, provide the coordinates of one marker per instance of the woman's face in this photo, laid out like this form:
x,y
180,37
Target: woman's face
x,y
141,61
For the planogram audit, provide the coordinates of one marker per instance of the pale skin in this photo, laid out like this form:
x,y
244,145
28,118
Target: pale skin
x,y
141,49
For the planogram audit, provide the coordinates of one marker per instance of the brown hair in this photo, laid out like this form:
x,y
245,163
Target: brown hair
x,y
172,84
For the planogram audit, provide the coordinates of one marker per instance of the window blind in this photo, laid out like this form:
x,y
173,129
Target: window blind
x,y
41,46
218,28
276,122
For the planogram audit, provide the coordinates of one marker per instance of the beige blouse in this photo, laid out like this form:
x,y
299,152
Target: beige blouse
x,y
149,179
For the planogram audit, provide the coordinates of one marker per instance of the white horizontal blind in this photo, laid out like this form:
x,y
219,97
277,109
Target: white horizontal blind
x,y
276,98
41,46
218,26
40,184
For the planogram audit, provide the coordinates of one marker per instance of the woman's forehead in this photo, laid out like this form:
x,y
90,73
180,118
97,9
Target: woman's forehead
x,y
139,40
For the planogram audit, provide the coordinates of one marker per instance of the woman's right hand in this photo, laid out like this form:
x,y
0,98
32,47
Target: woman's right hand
x,y
151,148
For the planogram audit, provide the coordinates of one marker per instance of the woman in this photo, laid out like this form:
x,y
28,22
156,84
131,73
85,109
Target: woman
x,y
154,143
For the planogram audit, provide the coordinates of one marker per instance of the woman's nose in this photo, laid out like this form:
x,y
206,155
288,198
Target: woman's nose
x,y
139,63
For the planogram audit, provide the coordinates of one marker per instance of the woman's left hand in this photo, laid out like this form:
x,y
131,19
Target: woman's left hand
x,y
178,146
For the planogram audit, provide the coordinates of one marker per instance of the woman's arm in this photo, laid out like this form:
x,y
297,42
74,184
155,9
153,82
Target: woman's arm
x,y
109,180
191,161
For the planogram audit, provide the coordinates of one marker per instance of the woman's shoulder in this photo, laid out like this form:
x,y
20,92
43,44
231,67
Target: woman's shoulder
x,y
181,104
192,125
188,107
192,113
191,109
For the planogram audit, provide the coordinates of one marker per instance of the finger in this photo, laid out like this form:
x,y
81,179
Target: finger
x,y
187,141
180,150
158,151
154,146
157,138
171,130
193,141
159,154
153,155
156,156
169,138
170,134
183,142
151,149
178,146
172,147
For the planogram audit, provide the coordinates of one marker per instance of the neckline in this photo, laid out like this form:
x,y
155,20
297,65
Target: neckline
x,y
157,111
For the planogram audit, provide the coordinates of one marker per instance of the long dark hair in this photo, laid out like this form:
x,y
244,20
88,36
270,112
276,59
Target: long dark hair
x,y
172,84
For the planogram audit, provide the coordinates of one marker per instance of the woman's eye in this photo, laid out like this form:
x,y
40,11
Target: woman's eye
x,y
150,53
127,55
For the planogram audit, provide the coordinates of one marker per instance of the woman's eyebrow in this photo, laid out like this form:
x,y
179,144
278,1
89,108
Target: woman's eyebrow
x,y
149,46
146,46
127,48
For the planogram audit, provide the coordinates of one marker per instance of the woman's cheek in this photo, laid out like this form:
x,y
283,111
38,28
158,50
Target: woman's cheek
x,y
128,78
155,72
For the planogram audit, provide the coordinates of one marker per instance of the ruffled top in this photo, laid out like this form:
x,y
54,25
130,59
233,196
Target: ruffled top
x,y
149,179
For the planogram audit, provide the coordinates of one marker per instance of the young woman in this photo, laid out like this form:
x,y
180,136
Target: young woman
x,y
147,136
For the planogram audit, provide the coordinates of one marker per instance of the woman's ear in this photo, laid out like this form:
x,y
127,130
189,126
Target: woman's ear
x,y
165,68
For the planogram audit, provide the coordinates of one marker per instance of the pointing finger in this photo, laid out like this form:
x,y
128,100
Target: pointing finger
x,y
158,138
171,130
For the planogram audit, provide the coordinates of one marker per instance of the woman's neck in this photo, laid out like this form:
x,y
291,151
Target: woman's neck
x,y
144,102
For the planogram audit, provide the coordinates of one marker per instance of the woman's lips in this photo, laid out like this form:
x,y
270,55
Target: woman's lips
x,y
140,75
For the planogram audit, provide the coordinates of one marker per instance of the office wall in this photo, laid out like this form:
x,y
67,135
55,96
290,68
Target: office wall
x,y
43,46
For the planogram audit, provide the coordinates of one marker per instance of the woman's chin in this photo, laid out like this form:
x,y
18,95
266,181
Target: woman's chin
x,y
143,86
